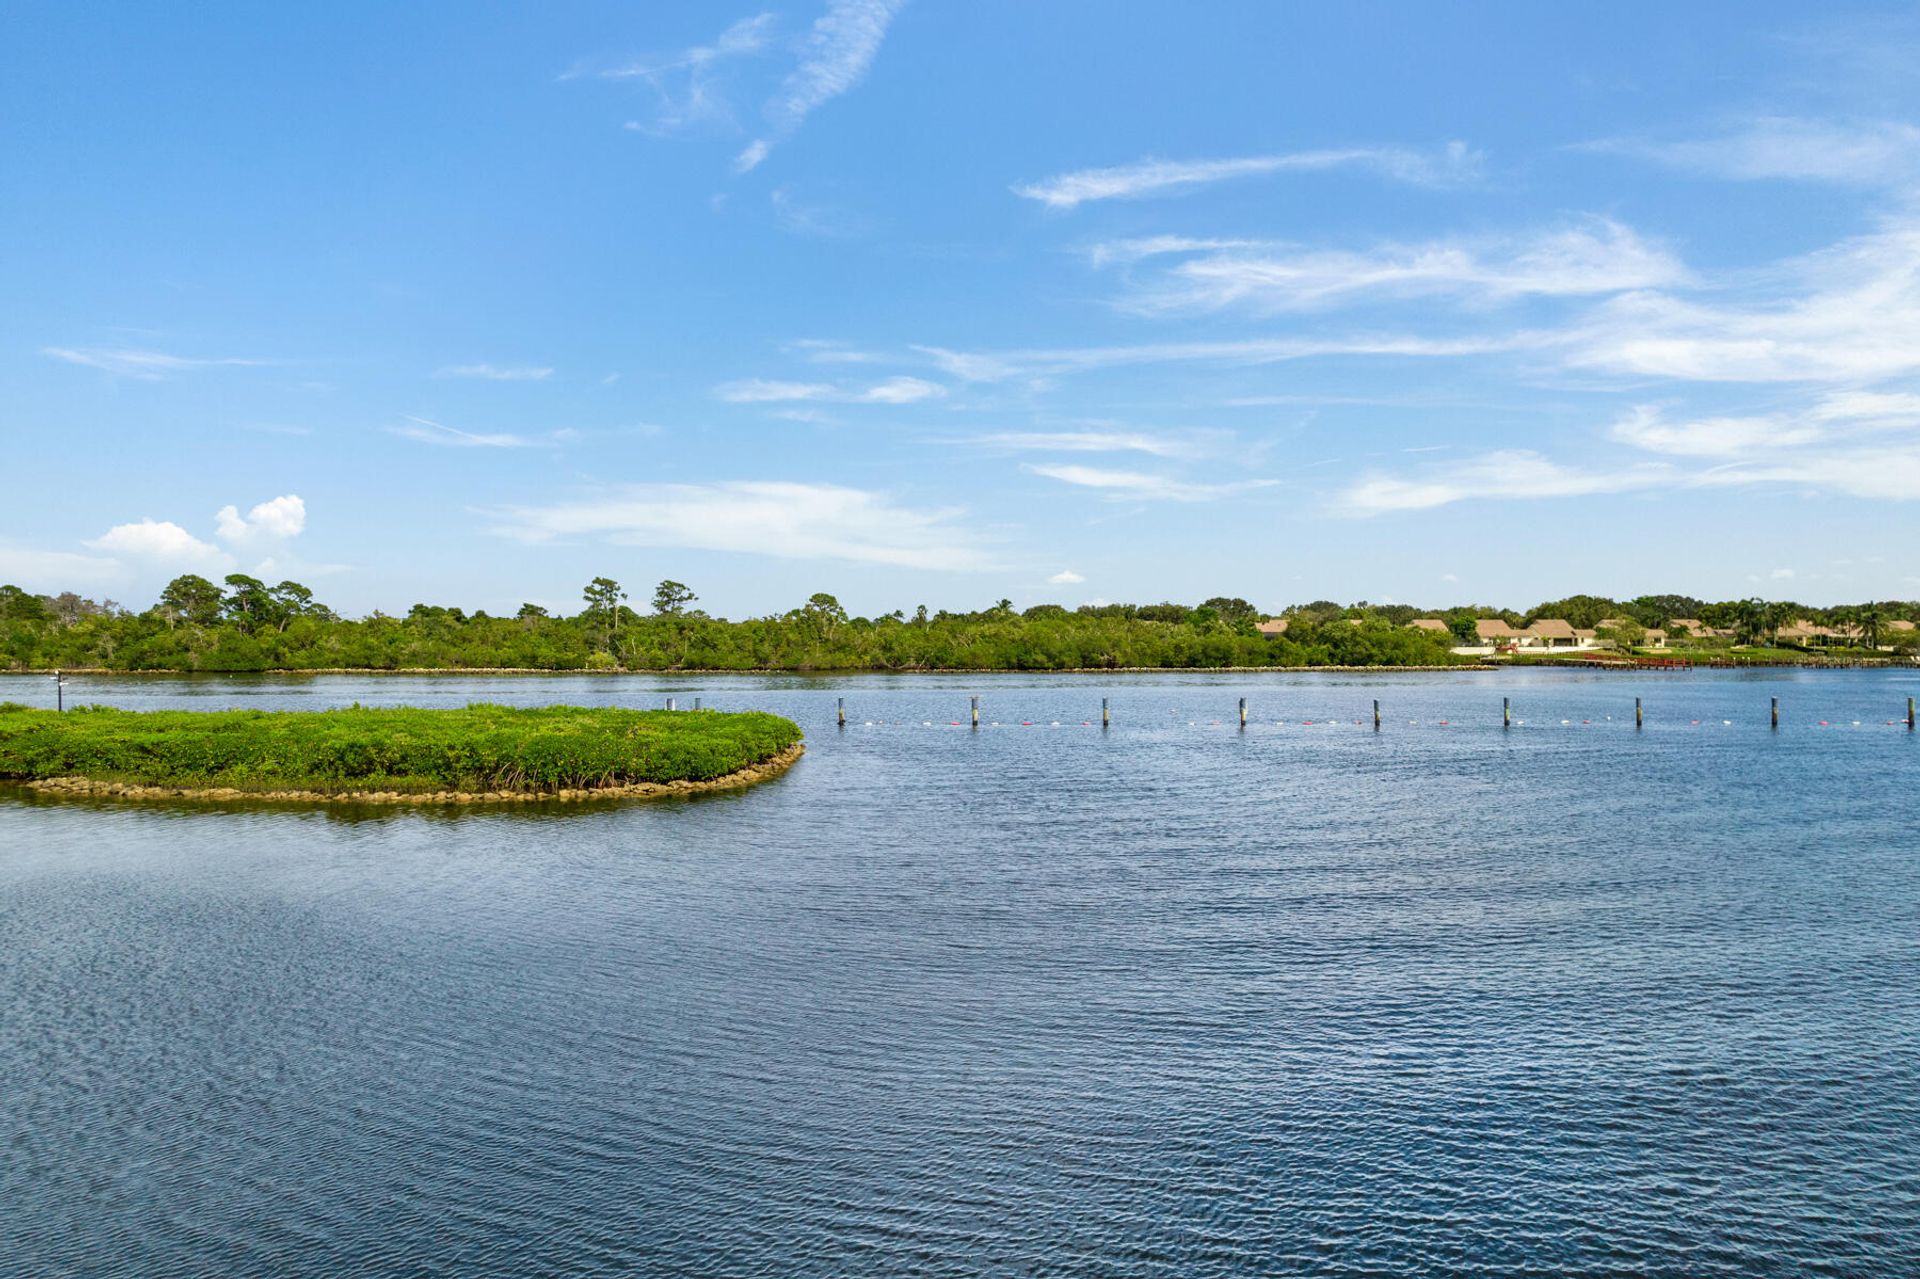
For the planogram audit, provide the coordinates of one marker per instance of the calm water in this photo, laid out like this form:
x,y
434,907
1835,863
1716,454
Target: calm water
x,y
1172,1000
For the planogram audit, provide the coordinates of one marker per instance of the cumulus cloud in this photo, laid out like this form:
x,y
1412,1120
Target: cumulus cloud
x,y
1065,577
162,541
1455,163
273,520
786,520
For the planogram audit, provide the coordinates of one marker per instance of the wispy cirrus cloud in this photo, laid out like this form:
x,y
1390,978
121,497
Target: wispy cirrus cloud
x,y
996,366
1455,163
1861,444
497,372
687,85
895,390
1141,486
1865,153
145,365
1172,444
1596,257
1506,473
425,431
1848,314
782,519
834,57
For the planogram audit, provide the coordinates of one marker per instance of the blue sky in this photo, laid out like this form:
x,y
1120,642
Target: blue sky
x,y
936,303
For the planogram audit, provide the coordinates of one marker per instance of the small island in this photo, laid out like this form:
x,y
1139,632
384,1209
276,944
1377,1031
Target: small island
x,y
409,755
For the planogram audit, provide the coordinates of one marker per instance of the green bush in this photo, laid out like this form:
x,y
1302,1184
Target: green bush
x,y
479,748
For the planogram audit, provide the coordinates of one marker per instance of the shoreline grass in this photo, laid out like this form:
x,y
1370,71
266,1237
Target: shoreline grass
x,y
481,749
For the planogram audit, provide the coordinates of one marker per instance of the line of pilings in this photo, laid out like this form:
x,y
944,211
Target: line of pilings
x,y
1506,712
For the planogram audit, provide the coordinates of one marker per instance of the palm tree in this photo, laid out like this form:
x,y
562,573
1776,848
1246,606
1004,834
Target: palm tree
x,y
1752,619
1868,618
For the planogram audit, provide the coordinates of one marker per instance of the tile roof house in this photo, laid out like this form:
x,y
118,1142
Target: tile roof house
x,y
1551,632
1493,630
1430,624
1272,626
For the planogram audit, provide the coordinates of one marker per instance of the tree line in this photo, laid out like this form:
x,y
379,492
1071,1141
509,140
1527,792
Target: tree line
x,y
244,624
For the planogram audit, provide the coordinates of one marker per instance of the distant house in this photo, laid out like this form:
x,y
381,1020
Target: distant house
x,y
1699,629
1273,627
1651,636
1549,632
1495,632
1433,624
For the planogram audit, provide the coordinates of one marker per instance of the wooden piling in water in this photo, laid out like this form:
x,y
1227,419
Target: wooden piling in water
x,y
1909,714
1506,712
976,712
1106,717
1639,717
1243,712
1775,712
1376,714
840,710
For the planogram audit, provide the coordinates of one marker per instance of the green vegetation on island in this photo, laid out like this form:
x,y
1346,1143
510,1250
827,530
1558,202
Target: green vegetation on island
x,y
247,625
480,749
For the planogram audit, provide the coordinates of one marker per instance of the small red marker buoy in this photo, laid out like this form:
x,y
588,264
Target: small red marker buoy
x,y
1823,723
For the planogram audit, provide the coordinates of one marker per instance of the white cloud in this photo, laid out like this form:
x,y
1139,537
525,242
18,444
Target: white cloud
x,y
765,391
1848,314
1065,577
995,366
1456,163
498,373
1085,442
1869,153
427,432
781,519
686,85
828,351
36,570
897,390
1138,486
1781,574
834,58
1601,256
1515,473
281,517
751,156
145,365
163,541
1645,428
902,390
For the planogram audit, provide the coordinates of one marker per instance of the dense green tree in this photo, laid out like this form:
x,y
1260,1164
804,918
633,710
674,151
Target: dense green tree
x,y
671,598
191,598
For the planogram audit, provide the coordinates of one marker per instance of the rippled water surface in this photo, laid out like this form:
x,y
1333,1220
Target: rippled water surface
x,y
1174,999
